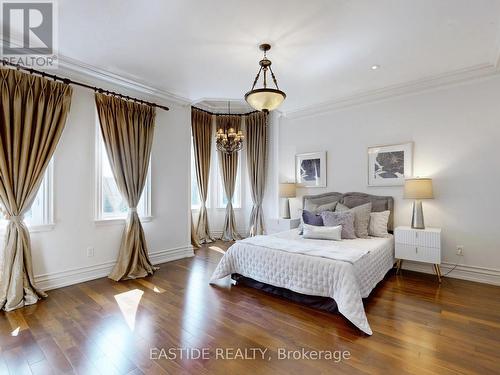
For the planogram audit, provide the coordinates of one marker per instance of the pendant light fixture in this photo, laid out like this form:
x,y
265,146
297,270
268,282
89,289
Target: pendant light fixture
x,y
265,99
227,139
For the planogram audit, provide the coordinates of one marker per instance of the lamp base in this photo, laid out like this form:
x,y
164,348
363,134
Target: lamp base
x,y
285,208
417,219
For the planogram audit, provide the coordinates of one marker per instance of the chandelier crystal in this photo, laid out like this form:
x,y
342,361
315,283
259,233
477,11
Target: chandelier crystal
x,y
227,139
265,99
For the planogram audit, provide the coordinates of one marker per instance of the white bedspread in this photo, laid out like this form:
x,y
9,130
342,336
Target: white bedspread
x,y
346,270
343,250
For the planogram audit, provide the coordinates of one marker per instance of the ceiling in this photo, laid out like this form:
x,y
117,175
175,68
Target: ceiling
x,y
322,50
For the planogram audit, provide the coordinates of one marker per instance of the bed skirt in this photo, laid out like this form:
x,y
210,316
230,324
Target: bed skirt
x,y
316,302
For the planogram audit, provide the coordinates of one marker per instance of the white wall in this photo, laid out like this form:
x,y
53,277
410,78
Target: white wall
x,y
59,255
456,131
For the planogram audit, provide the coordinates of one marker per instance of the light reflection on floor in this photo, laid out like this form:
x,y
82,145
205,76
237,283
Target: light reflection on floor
x,y
15,332
196,300
216,248
128,303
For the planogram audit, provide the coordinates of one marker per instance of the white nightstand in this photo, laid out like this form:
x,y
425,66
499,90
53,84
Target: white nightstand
x,y
420,245
281,225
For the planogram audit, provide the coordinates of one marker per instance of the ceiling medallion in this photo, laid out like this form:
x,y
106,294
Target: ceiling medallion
x,y
265,99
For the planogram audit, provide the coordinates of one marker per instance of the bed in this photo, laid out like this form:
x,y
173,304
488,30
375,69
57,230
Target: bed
x,y
325,274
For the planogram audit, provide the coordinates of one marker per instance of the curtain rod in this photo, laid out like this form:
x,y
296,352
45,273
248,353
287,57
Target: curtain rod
x,y
69,81
224,114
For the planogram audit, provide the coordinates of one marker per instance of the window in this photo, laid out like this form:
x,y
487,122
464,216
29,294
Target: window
x,y
109,203
40,213
215,184
221,193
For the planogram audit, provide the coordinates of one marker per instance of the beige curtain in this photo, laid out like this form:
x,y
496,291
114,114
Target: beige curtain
x,y
201,128
257,149
229,169
32,117
195,242
127,130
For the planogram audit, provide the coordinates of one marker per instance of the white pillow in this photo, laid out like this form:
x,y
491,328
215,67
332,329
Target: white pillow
x,y
378,224
322,233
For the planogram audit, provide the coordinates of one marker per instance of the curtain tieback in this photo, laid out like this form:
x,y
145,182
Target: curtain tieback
x,y
14,218
132,209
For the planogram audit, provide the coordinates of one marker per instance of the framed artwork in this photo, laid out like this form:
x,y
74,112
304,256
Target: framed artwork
x,y
310,169
389,165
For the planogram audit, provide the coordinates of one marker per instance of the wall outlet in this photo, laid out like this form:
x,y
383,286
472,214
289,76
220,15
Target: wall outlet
x,y
460,250
90,252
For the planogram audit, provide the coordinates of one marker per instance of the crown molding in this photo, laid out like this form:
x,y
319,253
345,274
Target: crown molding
x,y
216,105
220,105
407,88
70,65
497,58
497,50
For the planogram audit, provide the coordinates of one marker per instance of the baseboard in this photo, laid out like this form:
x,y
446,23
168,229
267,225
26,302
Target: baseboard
x,y
79,275
470,273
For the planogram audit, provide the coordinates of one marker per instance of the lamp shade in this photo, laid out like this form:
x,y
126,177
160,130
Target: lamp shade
x,y
265,99
418,188
287,190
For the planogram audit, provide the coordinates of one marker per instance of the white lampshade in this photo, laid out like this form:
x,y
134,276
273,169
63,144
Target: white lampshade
x,y
265,99
287,190
418,188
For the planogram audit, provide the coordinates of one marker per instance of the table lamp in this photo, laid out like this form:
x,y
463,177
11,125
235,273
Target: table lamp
x,y
287,190
418,189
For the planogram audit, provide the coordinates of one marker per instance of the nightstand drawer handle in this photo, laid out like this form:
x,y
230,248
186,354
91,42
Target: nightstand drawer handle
x,y
416,249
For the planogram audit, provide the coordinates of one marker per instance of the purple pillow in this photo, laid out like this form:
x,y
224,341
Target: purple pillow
x,y
346,219
311,218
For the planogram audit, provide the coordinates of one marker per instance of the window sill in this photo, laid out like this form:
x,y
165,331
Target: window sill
x,y
41,228
120,221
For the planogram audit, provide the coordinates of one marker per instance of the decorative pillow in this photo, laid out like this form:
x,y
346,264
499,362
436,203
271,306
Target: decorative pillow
x,y
323,207
361,217
378,224
322,233
311,218
346,219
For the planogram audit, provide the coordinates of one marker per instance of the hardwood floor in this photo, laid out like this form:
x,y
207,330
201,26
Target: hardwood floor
x,y
104,327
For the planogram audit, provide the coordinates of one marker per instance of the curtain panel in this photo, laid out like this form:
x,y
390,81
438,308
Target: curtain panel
x,y
201,129
257,151
195,242
32,118
229,170
127,130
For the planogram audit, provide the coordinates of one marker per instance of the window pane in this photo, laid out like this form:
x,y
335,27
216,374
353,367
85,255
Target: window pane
x,y
36,215
113,204
222,199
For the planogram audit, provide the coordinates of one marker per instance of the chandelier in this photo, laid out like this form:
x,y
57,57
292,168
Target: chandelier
x,y
265,99
227,139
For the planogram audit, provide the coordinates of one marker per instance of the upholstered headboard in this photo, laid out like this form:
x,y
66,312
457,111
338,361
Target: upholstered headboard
x,y
379,203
